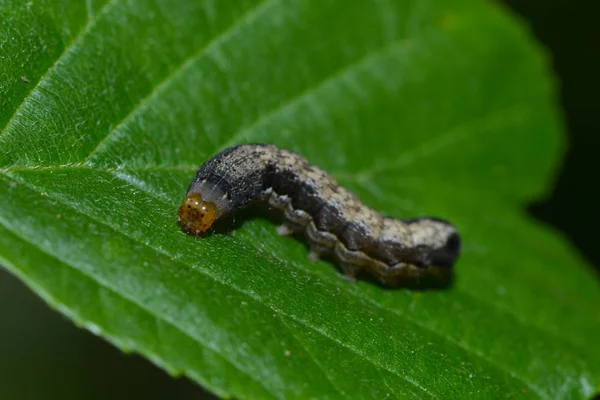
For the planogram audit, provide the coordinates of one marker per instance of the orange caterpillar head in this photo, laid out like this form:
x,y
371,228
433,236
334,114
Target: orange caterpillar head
x,y
196,215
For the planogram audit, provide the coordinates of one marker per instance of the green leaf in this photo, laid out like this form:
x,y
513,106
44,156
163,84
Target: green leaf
x,y
421,107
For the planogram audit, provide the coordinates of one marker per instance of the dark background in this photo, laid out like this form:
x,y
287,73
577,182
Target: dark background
x,y
43,356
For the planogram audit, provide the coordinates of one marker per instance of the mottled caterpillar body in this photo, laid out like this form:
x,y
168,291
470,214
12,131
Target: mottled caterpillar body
x,y
335,222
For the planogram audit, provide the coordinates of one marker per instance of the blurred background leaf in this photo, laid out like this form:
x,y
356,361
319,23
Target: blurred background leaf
x,y
441,108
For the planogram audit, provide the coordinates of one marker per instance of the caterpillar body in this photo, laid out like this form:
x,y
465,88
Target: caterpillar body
x,y
334,220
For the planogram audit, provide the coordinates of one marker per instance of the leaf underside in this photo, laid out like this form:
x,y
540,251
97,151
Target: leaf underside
x,y
420,107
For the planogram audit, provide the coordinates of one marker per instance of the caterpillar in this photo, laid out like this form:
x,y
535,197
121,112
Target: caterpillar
x,y
334,221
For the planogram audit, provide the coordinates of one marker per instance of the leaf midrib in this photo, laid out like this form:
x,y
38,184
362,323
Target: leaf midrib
x,y
119,174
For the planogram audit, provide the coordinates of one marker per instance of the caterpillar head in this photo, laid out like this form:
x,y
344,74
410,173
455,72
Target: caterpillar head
x,y
195,215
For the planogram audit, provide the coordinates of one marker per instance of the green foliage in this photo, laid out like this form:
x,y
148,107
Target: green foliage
x,y
421,107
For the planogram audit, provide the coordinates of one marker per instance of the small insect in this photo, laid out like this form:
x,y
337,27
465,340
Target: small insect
x,y
334,221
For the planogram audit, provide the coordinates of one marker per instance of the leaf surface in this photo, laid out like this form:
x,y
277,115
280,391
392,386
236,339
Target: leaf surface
x,y
420,107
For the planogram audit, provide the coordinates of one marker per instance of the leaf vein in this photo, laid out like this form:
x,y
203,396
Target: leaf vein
x,y
338,75
428,148
312,357
213,44
70,47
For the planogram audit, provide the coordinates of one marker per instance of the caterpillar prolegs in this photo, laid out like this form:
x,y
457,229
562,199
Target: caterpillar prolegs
x,y
334,220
